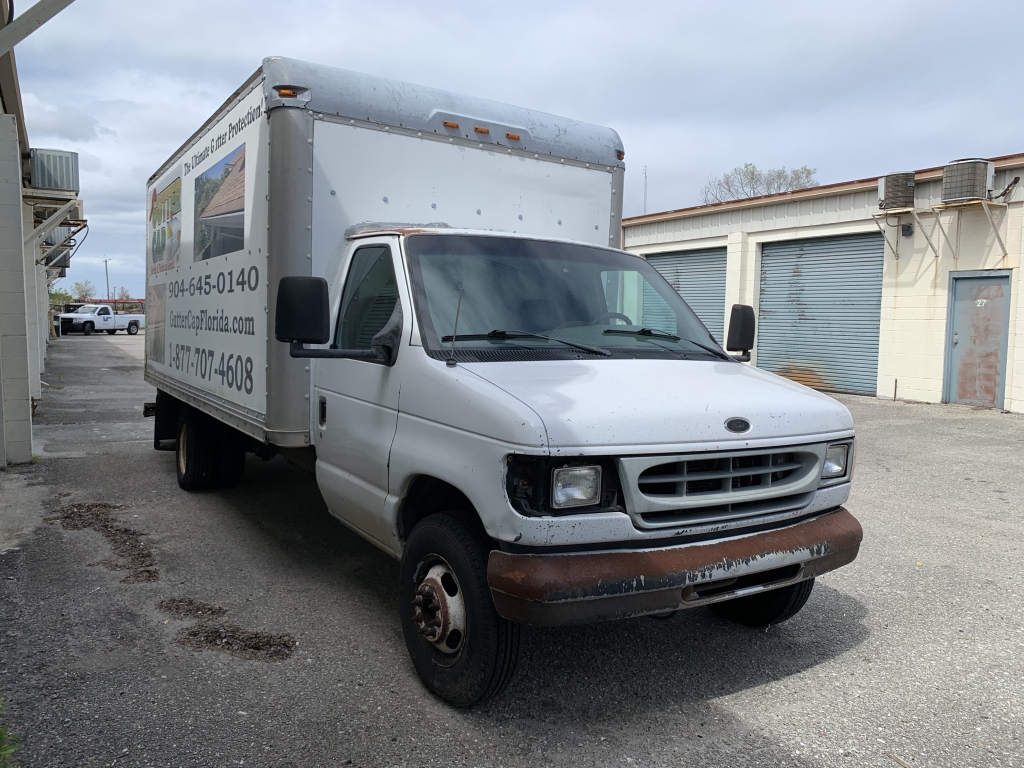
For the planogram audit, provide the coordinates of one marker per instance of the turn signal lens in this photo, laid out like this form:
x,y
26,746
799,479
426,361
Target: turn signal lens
x,y
575,487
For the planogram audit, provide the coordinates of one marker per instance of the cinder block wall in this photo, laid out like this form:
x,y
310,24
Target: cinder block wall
x,y
15,403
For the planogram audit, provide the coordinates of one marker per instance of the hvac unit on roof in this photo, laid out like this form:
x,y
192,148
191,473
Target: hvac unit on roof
x,y
896,190
964,180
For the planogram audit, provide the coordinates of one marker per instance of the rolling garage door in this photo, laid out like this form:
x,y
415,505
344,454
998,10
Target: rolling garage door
x,y
818,319
699,277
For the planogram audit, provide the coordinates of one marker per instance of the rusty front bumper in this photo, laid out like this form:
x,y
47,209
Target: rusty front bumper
x,y
560,589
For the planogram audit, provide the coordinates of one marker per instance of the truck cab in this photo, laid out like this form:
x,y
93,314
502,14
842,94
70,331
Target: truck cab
x,y
560,402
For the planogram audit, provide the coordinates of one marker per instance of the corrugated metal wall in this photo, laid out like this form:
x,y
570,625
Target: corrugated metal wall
x,y
819,312
699,277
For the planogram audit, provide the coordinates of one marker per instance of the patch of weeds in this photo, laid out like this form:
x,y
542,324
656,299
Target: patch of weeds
x,y
8,741
233,639
187,608
131,551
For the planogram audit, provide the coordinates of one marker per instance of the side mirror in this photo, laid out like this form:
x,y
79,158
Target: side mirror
x,y
303,314
742,331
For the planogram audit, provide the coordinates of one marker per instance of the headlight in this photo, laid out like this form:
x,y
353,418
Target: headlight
x,y
575,487
836,458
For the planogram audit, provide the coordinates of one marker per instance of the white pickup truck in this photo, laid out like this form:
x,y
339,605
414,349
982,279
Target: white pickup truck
x,y
99,317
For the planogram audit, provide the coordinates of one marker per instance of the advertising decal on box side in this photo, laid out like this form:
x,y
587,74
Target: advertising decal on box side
x,y
206,311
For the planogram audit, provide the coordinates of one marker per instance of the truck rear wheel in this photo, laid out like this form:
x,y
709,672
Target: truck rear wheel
x,y
772,607
194,452
133,328
87,328
463,651
229,463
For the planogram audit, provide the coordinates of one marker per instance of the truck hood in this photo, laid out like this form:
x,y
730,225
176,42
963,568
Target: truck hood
x,y
634,405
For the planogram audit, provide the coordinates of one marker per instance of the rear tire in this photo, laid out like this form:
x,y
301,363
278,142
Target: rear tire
x,y
133,328
765,608
475,657
229,463
194,453
112,331
87,329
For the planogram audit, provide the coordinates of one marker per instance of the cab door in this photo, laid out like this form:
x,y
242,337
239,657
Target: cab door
x,y
105,319
356,401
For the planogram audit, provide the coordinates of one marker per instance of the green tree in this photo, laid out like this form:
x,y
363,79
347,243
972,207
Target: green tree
x,y
83,290
60,296
748,180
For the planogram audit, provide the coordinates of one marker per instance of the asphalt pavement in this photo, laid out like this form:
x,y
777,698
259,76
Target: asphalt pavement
x,y
911,656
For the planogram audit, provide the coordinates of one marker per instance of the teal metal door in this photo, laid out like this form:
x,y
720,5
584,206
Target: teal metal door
x,y
820,311
976,340
699,277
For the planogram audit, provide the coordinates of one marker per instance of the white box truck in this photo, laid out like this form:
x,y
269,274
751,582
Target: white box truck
x,y
419,296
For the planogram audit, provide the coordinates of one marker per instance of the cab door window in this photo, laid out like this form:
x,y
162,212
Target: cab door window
x,y
369,298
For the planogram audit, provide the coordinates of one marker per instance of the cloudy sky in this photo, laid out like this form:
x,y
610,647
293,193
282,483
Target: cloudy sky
x,y
853,89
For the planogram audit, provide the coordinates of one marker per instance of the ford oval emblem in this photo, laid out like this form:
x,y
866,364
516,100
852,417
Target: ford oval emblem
x,y
737,425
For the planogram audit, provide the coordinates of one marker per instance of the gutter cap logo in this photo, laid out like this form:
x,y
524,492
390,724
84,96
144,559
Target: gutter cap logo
x,y
737,425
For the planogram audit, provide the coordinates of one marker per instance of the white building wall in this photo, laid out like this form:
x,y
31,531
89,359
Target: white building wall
x,y
15,405
915,286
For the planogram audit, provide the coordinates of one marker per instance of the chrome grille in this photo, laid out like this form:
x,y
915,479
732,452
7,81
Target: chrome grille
x,y
720,490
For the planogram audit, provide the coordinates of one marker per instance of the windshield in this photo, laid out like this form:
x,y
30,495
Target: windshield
x,y
86,310
610,301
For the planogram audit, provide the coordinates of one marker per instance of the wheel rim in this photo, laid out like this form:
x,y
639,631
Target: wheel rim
x,y
439,608
182,449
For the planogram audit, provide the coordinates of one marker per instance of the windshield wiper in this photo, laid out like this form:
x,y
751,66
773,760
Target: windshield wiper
x,y
655,333
503,334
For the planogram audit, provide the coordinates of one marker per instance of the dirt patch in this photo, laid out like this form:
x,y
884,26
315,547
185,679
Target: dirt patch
x,y
186,608
131,552
233,639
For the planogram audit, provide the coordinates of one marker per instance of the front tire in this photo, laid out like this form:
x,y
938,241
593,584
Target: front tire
x,y
133,328
194,453
463,651
766,608
87,329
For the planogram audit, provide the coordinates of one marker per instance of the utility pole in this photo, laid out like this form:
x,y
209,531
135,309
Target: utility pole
x,y
107,272
645,189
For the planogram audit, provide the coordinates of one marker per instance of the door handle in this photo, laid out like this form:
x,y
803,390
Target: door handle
x,y
323,412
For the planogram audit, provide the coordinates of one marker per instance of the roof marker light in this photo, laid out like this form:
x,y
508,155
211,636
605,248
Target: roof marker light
x,y
450,124
620,154
480,129
512,136
286,92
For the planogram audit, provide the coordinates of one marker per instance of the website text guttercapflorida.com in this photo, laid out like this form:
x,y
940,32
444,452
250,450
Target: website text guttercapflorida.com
x,y
213,322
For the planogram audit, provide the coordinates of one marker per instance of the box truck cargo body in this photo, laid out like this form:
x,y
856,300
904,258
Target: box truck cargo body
x,y
419,296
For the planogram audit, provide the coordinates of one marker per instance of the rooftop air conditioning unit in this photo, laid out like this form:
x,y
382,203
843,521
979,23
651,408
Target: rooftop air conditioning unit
x,y
896,190
965,180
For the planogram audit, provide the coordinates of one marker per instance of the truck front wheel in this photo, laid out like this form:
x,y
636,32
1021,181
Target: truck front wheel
x,y
462,650
194,452
772,607
87,329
